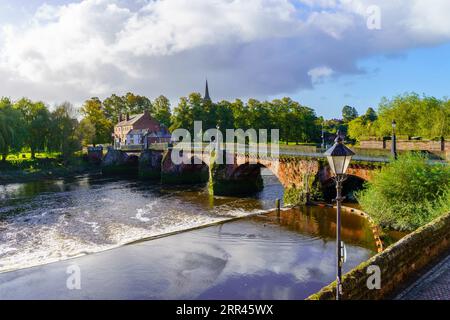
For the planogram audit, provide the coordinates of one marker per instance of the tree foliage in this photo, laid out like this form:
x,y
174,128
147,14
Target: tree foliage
x,y
11,130
161,110
35,124
407,193
87,132
349,113
416,116
94,112
363,126
131,103
30,126
296,123
64,130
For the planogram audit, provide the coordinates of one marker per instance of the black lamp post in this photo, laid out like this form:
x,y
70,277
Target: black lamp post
x,y
217,138
339,157
394,140
323,137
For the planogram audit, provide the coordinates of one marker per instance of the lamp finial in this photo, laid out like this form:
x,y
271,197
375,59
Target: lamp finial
x,y
338,137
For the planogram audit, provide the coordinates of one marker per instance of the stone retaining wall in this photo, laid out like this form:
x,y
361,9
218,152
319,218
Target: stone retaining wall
x,y
398,263
407,145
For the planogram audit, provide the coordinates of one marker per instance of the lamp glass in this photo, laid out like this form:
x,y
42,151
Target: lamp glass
x,y
346,164
331,163
339,164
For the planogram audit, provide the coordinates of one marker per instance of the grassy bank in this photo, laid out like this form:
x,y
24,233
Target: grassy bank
x,y
24,169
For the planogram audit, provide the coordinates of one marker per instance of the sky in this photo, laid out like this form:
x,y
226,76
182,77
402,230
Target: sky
x,y
323,53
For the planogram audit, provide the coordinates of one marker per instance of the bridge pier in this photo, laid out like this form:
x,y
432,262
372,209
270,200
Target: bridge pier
x,y
150,164
299,178
233,180
117,162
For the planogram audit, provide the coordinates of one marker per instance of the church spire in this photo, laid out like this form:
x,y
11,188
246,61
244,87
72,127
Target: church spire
x,y
207,97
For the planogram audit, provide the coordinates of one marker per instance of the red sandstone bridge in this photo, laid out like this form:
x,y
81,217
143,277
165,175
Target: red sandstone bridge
x,y
296,170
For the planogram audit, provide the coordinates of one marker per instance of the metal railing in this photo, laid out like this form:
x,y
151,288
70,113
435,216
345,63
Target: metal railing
x,y
365,155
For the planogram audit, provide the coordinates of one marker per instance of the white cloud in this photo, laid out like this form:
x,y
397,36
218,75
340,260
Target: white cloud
x,y
320,73
245,47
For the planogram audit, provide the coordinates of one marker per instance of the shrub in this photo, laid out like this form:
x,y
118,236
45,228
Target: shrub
x,y
407,193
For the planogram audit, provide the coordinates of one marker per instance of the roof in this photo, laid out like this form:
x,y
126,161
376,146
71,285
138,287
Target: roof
x,y
133,119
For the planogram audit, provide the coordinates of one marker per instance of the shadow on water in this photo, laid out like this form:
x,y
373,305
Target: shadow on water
x,y
321,222
263,257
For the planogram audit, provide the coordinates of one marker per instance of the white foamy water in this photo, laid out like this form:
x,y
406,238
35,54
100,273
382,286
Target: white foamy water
x,y
46,222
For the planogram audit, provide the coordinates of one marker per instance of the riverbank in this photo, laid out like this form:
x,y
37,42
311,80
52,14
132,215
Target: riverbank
x,y
51,170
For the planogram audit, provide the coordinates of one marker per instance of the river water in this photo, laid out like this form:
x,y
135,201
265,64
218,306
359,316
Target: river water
x,y
49,221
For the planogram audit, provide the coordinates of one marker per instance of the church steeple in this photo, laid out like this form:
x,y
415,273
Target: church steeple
x,y
207,97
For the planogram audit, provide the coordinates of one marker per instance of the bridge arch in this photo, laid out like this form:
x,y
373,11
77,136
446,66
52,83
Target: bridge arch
x,y
350,187
357,176
194,169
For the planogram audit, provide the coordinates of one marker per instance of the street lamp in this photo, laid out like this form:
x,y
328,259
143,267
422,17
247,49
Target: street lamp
x,y
339,157
217,137
394,140
323,138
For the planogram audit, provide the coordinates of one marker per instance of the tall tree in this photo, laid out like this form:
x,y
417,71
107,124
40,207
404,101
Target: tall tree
x,y
137,104
93,111
259,114
86,132
240,115
182,117
36,124
11,133
349,113
161,110
113,107
370,115
281,111
224,114
64,131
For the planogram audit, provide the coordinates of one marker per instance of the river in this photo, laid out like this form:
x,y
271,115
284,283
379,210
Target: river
x,y
50,221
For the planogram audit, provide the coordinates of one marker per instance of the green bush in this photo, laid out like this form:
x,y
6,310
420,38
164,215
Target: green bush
x,y
407,193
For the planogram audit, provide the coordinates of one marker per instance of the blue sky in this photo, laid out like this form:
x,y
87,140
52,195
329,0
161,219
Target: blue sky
x,y
319,52
424,71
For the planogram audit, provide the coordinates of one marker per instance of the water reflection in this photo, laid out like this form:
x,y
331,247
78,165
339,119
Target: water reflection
x,y
321,222
258,258
255,258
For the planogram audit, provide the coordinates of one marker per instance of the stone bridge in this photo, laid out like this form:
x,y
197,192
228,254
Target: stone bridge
x,y
299,175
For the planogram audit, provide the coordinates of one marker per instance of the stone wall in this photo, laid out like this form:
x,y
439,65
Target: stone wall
x,y
432,146
399,263
372,144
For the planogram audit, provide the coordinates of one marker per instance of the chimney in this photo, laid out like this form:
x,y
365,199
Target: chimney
x,y
128,116
120,117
